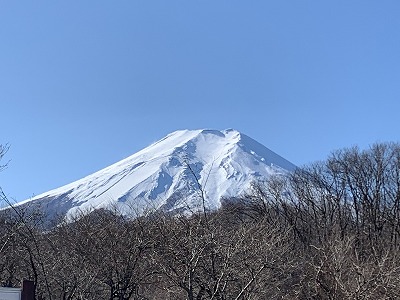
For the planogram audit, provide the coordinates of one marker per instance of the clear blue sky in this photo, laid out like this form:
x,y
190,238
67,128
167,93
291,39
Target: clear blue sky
x,y
84,84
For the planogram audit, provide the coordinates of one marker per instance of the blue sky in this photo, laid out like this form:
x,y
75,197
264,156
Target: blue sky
x,y
84,84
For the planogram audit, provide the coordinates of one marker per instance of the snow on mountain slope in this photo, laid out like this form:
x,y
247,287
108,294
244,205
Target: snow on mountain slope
x,y
166,175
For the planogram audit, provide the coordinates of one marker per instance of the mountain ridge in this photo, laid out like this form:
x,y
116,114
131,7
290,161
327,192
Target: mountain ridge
x,y
167,174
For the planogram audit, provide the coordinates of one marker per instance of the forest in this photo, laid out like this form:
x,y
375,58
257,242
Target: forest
x,y
329,230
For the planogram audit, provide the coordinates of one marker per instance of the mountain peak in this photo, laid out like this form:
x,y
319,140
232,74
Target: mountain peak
x,y
166,175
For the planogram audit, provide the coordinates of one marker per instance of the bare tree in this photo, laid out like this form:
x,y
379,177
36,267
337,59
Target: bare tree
x,y
101,256
3,151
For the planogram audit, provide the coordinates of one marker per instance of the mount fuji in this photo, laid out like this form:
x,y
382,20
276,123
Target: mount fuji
x,y
173,174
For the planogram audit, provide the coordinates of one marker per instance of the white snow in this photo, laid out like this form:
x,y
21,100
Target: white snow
x,y
163,175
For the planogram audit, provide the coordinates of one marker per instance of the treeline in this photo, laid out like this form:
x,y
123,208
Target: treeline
x,y
330,230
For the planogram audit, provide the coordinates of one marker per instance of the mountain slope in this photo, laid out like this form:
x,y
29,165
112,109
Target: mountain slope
x,y
169,175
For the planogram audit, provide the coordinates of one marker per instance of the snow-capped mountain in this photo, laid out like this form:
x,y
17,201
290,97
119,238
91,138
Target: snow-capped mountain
x,y
172,174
